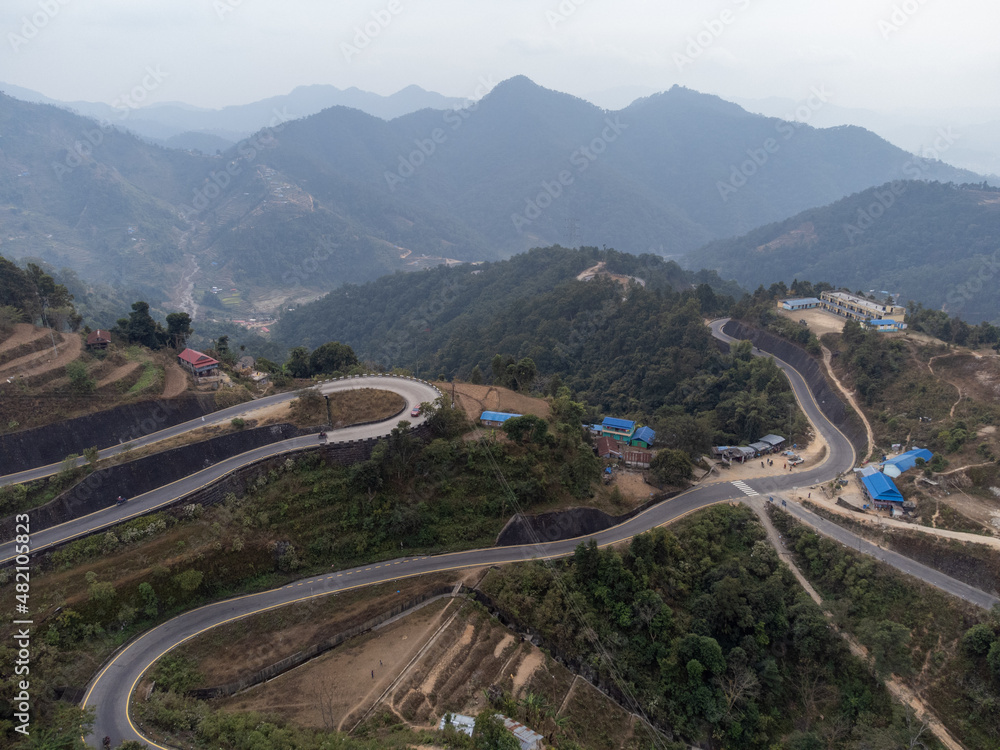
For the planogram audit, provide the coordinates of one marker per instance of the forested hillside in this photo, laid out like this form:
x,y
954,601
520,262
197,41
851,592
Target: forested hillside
x,y
930,242
706,632
617,344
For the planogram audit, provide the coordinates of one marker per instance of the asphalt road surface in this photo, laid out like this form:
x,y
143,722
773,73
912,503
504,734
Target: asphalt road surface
x,y
414,391
110,689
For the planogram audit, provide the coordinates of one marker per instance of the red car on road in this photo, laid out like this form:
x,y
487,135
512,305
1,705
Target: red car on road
x,y
415,411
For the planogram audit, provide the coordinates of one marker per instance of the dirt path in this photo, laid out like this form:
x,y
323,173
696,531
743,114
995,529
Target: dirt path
x,y
182,295
820,499
41,362
175,381
900,692
827,363
930,366
24,333
117,374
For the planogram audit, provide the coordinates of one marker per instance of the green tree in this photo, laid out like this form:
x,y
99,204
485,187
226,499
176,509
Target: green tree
x,y
671,467
331,357
476,376
888,643
79,379
489,733
527,428
298,362
178,329
140,328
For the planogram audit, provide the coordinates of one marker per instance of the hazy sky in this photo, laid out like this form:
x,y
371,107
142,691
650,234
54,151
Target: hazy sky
x,y
210,53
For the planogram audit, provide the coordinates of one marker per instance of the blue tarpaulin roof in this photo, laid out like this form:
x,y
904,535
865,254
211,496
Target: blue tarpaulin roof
x,y
497,416
618,424
880,487
645,434
906,461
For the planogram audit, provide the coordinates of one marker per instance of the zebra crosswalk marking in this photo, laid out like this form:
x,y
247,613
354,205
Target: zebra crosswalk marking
x,y
745,488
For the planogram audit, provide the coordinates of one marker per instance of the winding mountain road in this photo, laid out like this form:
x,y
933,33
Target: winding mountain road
x,y
414,391
110,689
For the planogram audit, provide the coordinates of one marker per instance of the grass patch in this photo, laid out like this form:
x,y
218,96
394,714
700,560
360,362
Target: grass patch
x,y
346,407
151,376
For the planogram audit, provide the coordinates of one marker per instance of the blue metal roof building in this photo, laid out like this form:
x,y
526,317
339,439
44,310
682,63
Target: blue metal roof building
x,y
618,424
644,437
496,418
906,461
619,429
882,491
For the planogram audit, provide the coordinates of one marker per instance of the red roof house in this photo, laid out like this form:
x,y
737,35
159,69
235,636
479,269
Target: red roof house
x,y
198,364
98,339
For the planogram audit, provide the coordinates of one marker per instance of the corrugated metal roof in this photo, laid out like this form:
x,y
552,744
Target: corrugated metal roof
x,y
761,446
196,358
880,487
906,461
803,301
529,740
608,446
772,440
497,416
645,434
618,424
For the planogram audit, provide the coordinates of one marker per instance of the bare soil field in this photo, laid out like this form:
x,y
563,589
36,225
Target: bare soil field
x,y
475,399
68,348
230,652
22,334
175,381
633,486
818,321
437,660
977,377
118,373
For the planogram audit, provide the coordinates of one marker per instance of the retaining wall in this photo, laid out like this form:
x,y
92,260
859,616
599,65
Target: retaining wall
x,y
27,449
236,482
99,489
566,524
827,396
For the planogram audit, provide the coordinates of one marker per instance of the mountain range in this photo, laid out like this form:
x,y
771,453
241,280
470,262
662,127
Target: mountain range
x,y
937,244
304,205
183,126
